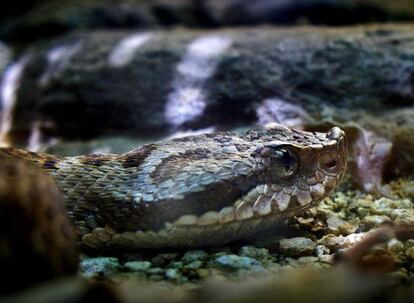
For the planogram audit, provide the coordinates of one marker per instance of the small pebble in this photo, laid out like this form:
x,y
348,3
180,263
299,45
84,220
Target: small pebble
x,y
194,255
323,254
194,265
173,275
138,265
338,226
178,264
410,253
386,206
374,221
234,262
97,266
163,259
299,246
395,246
254,252
159,261
403,216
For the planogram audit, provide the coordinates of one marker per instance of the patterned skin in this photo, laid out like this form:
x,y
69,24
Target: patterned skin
x,y
195,191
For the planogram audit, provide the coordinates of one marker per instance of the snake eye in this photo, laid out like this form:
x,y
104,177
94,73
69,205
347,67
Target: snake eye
x,y
284,162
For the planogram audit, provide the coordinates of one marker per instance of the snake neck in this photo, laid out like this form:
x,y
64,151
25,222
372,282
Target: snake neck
x,y
38,159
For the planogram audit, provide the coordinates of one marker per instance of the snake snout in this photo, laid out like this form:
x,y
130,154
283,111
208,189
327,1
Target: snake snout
x,y
332,160
335,133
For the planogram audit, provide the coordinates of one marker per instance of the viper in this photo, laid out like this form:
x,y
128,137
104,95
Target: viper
x,y
195,191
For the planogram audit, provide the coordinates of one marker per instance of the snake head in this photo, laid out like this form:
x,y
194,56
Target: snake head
x,y
300,168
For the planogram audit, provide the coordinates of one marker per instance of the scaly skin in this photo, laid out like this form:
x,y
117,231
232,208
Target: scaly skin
x,y
195,191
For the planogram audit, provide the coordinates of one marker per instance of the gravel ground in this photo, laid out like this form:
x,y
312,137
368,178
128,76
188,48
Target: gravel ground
x,y
313,239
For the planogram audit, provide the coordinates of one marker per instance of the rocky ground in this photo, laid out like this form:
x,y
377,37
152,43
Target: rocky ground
x,y
312,240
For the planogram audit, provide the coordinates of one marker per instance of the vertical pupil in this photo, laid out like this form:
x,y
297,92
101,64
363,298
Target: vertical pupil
x,y
286,160
285,157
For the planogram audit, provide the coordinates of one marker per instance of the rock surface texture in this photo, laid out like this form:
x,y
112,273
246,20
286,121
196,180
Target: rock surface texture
x,y
22,22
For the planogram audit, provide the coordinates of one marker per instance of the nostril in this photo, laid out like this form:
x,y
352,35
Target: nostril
x,y
328,162
334,133
331,164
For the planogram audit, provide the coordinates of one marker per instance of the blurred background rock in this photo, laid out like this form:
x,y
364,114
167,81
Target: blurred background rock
x,y
23,21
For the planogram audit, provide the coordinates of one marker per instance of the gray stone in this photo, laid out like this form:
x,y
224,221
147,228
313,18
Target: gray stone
x,y
333,242
178,264
27,23
375,221
254,252
138,265
234,262
99,266
305,261
395,246
172,275
194,255
297,246
194,265
163,259
338,226
387,207
403,216
410,253
158,261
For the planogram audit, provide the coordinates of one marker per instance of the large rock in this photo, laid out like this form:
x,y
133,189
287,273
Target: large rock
x,y
5,56
22,22
153,83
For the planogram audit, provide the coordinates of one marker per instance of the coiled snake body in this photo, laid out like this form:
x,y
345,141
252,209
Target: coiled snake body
x,y
195,191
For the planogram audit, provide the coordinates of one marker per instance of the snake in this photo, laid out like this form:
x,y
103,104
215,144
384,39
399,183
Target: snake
x,y
194,191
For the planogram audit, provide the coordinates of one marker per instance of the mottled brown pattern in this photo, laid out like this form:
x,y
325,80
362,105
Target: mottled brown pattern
x,y
137,156
95,160
220,138
39,159
241,147
50,164
174,163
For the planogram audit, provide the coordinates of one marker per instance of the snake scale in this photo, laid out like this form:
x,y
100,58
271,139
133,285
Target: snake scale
x,y
195,191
